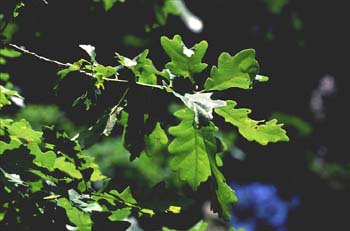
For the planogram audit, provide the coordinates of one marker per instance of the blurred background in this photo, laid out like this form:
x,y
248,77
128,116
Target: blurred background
x,y
301,45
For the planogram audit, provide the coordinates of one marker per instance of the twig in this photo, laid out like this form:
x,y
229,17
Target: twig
x,y
24,50
20,48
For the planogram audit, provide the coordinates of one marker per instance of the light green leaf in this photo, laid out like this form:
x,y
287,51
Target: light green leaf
x,y
184,62
9,53
76,66
17,8
4,76
42,159
67,167
233,71
162,12
79,218
189,149
23,130
252,129
141,66
14,144
104,71
156,140
120,214
201,104
108,4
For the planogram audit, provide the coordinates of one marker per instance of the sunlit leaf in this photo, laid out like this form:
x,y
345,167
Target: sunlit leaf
x,y
252,130
233,71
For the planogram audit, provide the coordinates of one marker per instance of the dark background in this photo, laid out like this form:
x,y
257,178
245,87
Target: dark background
x,y
231,26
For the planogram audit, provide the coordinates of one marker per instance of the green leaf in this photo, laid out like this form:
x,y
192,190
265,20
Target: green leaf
x,y
126,195
4,76
67,167
17,8
201,104
141,66
184,62
276,6
233,71
79,218
108,4
42,159
14,144
156,140
76,66
9,53
76,199
252,130
104,71
224,196
23,130
162,12
120,214
189,149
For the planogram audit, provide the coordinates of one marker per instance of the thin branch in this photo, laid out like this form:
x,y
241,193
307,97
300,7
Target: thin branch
x,y
61,64
24,50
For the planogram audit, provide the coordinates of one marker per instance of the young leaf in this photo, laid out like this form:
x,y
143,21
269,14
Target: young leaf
x,y
233,71
141,66
184,62
252,129
190,151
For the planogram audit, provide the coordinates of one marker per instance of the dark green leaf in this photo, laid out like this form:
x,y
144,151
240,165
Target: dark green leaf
x,y
156,140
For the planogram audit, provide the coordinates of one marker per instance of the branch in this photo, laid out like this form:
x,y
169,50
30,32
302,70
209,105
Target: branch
x,y
61,64
21,48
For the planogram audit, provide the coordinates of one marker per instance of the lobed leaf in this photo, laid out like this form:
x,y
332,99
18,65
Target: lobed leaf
x,y
190,158
252,130
233,71
184,62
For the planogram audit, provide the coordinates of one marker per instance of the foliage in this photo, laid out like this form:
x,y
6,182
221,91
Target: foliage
x,y
196,145
48,171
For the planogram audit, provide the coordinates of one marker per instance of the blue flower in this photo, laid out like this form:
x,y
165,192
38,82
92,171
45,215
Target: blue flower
x,y
260,204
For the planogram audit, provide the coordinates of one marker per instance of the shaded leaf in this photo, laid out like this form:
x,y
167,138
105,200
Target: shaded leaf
x,y
156,140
